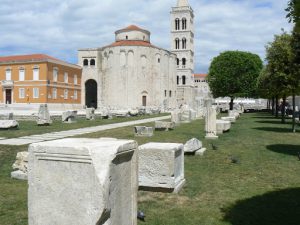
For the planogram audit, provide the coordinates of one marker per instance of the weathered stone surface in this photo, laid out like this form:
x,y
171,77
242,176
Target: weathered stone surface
x,y
90,113
161,166
164,125
176,116
143,131
200,151
8,124
210,121
193,115
133,112
21,162
233,113
120,113
10,116
186,116
227,118
223,126
192,145
69,116
44,115
19,175
83,181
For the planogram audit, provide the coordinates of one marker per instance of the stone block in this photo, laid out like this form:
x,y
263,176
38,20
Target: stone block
x,y
233,113
164,125
69,116
8,124
223,126
186,116
21,162
210,123
90,113
200,152
143,131
230,119
192,145
43,116
19,175
161,167
83,181
176,116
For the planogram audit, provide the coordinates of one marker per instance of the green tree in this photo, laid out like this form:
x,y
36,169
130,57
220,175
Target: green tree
x,y
279,56
234,74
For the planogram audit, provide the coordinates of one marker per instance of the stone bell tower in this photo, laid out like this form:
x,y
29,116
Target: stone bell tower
x,y
182,44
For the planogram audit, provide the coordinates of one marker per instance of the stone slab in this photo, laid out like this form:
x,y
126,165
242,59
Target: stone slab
x,y
200,152
19,175
192,145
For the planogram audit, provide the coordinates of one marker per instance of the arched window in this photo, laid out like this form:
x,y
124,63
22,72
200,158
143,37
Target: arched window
x,y
184,24
177,80
177,41
165,93
177,60
92,62
183,62
177,24
183,43
183,80
85,62
170,94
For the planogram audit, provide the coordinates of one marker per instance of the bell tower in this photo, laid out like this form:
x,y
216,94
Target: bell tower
x,y
182,44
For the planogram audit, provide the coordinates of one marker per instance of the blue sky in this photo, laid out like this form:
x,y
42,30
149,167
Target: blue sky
x,y
59,28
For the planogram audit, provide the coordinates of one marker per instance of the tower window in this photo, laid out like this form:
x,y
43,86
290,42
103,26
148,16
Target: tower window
x,y
184,43
92,62
177,43
183,80
177,80
85,62
170,94
177,24
165,93
177,60
183,62
184,24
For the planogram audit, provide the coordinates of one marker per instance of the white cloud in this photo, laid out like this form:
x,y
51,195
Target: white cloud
x,y
59,28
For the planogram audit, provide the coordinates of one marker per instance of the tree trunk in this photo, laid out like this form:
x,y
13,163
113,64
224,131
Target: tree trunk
x,y
283,109
276,106
294,112
273,103
231,104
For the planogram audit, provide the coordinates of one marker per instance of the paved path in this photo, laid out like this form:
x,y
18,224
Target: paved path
x,y
69,133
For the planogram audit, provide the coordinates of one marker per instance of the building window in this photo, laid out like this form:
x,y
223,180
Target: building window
x,y
177,62
170,94
66,94
92,62
183,80
177,80
85,62
177,43
75,79
35,92
183,43
158,60
126,37
21,74
36,73
184,24
75,94
21,93
165,93
177,24
66,77
54,93
183,62
55,74
8,74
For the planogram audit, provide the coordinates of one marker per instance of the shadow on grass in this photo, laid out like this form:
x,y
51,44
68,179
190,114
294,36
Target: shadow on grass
x,y
272,121
285,149
274,129
273,208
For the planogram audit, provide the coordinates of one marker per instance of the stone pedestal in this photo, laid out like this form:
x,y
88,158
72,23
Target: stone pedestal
x,y
163,125
142,131
83,181
21,166
210,121
69,116
176,116
192,145
161,167
90,113
9,124
223,126
43,116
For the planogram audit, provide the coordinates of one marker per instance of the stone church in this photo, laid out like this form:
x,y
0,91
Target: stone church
x,y
132,72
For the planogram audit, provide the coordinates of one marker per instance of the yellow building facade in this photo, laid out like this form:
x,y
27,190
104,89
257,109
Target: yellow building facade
x,y
37,79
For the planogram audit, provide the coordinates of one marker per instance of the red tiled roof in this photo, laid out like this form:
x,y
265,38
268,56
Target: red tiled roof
x,y
132,28
200,75
27,58
131,43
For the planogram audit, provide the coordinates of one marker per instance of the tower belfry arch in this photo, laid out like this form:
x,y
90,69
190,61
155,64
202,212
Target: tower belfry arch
x,y
182,44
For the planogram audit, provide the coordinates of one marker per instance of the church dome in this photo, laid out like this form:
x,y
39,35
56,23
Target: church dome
x,y
132,33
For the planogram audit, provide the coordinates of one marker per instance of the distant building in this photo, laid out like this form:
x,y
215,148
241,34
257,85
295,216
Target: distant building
x,y
201,85
35,79
129,73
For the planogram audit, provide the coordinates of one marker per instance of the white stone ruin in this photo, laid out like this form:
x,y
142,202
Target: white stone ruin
x,y
83,181
90,113
143,131
210,120
194,146
223,126
43,116
161,167
9,124
176,116
164,125
233,113
21,166
228,118
69,116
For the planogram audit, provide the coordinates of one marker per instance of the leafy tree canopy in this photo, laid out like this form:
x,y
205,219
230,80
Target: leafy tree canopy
x,y
234,74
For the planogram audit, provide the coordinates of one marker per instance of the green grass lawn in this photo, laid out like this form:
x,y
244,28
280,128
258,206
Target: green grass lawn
x,y
31,128
263,189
